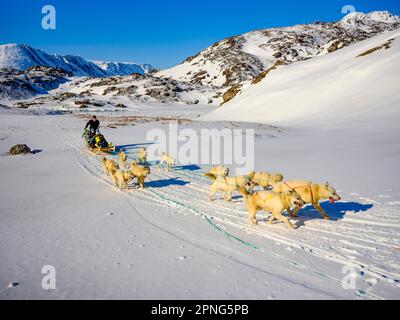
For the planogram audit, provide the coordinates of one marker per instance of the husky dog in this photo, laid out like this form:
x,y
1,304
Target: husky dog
x,y
121,178
221,182
142,155
227,185
168,160
122,158
311,193
264,179
217,171
110,166
140,172
275,202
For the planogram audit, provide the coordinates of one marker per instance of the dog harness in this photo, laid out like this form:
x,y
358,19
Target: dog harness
x,y
307,186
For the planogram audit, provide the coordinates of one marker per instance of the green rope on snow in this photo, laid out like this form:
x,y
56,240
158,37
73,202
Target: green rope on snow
x,y
227,234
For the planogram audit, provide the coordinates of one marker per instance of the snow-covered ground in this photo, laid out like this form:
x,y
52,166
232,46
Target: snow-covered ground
x,y
168,241
335,118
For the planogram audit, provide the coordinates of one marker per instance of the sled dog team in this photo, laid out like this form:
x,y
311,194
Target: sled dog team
x,y
277,195
287,196
137,169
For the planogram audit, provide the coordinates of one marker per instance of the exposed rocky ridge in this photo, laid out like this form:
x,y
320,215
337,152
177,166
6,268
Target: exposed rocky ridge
x,y
230,93
150,88
20,84
115,92
242,58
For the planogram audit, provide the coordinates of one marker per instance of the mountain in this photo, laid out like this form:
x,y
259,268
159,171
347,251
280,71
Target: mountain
x,y
123,68
354,86
21,84
367,22
22,57
240,59
217,74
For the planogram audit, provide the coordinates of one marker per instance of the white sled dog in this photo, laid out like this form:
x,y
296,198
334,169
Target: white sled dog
x,y
310,192
264,179
110,166
221,182
121,178
140,172
142,155
122,158
270,201
168,160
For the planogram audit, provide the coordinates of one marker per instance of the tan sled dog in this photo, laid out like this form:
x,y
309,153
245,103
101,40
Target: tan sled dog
x,y
110,166
227,185
142,155
217,171
168,160
140,172
310,193
121,178
264,179
122,158
275,202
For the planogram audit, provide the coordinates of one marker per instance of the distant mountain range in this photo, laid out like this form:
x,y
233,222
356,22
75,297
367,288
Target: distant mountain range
x,y
123,68
22,57
218,74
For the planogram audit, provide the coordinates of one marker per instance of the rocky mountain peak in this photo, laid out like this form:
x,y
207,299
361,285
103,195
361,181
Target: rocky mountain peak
x,y
238,60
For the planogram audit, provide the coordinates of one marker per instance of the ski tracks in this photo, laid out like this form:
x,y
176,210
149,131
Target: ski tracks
x,y
186,191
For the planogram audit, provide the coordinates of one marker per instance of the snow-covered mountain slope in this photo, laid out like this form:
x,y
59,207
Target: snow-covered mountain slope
x,y
356,85
234,62
109,81
362,21
123,68
114,93
21,84
21,57
242,58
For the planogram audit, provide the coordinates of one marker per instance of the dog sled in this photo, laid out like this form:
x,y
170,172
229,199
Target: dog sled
x,y
97,143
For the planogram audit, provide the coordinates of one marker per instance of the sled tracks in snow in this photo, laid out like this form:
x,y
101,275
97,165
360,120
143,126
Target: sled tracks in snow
x,y
186,191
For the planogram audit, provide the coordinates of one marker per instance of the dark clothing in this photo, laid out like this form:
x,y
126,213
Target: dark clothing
x,y
93,124
91,140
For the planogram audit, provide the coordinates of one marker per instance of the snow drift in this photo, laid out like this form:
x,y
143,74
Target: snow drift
x,y
358,84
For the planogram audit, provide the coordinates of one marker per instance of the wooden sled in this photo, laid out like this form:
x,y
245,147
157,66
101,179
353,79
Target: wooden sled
x,y
102,151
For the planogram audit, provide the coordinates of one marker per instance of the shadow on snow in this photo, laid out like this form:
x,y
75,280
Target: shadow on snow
x,y
335,211
127,147
166,182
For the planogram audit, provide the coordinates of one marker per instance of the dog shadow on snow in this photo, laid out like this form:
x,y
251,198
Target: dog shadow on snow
x,y
127,147
190,167
166,183
335,211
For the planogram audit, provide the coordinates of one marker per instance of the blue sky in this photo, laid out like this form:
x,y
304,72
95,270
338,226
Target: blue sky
x,y
162,32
